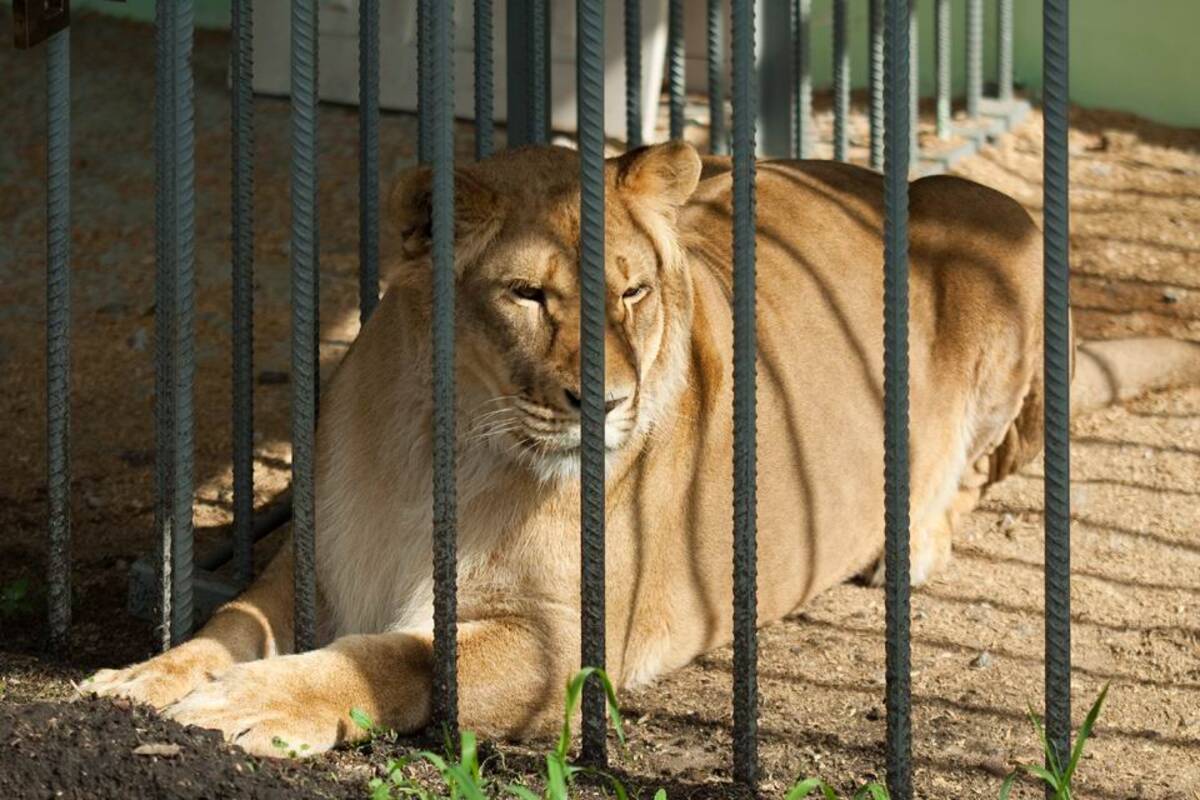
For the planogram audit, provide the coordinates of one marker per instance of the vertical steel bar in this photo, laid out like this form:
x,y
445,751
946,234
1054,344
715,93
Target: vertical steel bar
x,y
539,87
841,79
528,71
174,310
590,76
745,518
941,22
164,306
877,83
368,158
895,392
58,335
485,125
1004,49
803,134
445,499
914,84
1057,338
633,72
718,138
424,142
304,268
974,56
242,236
676,57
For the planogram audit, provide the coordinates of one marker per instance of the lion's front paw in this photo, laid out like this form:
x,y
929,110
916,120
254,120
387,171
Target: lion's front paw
x,y
268,708
163,679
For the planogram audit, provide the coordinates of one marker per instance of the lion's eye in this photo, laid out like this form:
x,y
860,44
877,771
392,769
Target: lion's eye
x,y
635,293
528,293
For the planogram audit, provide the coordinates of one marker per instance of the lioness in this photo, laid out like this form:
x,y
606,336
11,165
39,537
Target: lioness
x,y
975,353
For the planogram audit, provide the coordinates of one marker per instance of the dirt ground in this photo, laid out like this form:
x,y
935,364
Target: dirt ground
x,y
977,644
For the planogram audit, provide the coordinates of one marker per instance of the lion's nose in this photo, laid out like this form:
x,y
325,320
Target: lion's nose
x,y
576,402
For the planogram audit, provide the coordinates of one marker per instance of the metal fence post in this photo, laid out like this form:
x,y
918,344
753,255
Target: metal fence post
x,y
941,22
590,66
841,80
445,496
715,43
877,82
914,83
803,134
305,283
528,32
676,61
368,158
895,391
485,125
633,72
974,56
242,245
1004,49
58,335
745,568
174,313
1057,342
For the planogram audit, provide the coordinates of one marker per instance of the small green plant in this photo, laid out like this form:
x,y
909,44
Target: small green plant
x,y
463,775
1053,774
872,791
15,599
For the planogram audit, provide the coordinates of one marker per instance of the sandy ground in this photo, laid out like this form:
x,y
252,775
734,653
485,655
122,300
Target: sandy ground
x,y
1136,595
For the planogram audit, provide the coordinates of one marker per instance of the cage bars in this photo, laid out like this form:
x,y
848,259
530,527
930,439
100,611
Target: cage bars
x,y
897,144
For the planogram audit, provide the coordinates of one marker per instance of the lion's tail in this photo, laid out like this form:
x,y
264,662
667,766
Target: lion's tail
x,y
1105,372
1108,372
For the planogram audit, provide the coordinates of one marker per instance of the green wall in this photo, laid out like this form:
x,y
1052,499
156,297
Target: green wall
x,y
1132,55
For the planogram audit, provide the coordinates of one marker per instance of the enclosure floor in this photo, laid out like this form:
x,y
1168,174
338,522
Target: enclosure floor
x,y
1136,595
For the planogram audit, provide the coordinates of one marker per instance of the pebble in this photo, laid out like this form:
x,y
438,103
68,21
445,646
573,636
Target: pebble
x,y
1172,295
982,661
163,750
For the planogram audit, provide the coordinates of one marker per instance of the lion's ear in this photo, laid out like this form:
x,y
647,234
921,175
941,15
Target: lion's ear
x,y
478,211
662,173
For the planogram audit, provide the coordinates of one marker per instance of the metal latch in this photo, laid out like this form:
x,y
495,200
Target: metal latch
x,y
35,21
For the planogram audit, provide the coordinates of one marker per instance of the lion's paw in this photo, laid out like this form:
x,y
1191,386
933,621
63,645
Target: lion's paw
x,y
163,679
267,708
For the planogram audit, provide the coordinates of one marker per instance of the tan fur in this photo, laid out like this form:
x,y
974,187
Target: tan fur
x,y
975,355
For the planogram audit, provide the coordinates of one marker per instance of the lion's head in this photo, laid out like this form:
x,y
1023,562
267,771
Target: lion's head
x,y
518,298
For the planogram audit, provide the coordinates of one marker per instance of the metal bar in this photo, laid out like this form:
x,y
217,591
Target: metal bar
x,y
1057,338
590,80
424,140
368,158
485,125
974,56
941,22
914,83
164,307
304,268
445,502
745,565
676,57
633,72
803,134
528,71
242,242
841,79
895,394
539,51
174,311
877,83
58,335
715,26
1004,49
